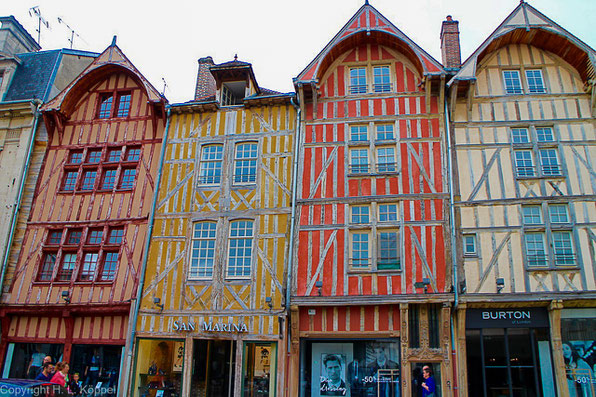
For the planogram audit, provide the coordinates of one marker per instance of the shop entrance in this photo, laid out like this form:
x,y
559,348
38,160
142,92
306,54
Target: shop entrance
x,y
213,365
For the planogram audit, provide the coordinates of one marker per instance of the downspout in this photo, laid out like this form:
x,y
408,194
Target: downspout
x,y
453,249
137,303
17,205
292,232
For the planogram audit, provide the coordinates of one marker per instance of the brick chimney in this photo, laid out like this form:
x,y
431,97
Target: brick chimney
x,y
205,81
450,44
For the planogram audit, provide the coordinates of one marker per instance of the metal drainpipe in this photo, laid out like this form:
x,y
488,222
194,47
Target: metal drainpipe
x,y
17,204
292,231
137,303
453,248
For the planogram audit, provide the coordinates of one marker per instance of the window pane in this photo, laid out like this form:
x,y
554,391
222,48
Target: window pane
x,y
382,80
109,179
532,215
545,134
519,135
357,80
386,160
387,212
67,268
94,156
388,251
95,236
524,164
128,178
563,248
210,167
109,266
245,163
88,180
535,250
240,249
360,215
76,157
358,133
89,266
558,213
54,237
360,250
133,154
203,250
535,82
549,162
70,181
123,105
114,155
384,131
116,235
74,237
105,108
359,162
47,267
469,244
512,82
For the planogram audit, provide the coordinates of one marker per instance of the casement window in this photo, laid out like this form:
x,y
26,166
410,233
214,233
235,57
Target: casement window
x,y
385,132
203,251
359,161
524,163
470,246
520,135
211,164
84,251
360,214
358,133
232,93
544,134
360,250
388,250
512,82
387,212
539,235
381,79
107,109
535,82
386,159
240,249
549,162
358,83
103,169
245,163
537,144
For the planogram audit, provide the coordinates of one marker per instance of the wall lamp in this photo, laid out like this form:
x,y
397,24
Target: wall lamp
x,y
66,296
500,285
269,302
157,302
426,283
319,285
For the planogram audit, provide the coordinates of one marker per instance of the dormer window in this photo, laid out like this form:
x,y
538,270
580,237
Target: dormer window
x,y
232,93
107,109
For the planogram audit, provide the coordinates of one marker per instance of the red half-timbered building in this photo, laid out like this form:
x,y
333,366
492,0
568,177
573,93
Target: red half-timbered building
x,y
79,264
372,280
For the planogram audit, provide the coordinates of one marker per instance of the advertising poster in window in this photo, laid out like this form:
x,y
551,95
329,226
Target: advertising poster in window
x,y
356,369
579,355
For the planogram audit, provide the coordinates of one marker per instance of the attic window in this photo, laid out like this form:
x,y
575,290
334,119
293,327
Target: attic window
x,y
232,93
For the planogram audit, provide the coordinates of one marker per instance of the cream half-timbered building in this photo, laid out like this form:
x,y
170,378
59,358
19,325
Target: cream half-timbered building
x,y
522,123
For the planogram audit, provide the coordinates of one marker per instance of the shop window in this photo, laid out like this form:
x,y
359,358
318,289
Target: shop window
x,y
213,371
341,367
359,161
24,360
259,369
203,251
579,351
387,212
358,133
358,83
384,132
245,163
386,159
535,82
381,79
360,214
159,366
210,168
360,250
97,366
470,248
240,249
388,257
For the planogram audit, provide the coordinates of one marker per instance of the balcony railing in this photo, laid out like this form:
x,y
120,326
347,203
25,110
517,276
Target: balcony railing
x,y
525,170
551,170
564,259
358,89
537,259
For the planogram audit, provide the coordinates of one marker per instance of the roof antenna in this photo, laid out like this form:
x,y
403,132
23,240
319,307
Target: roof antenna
x,y
41,21
235,57
164,86
114,40
72,32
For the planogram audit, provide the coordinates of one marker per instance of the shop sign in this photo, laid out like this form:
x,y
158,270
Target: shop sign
x,y
190,326
507,318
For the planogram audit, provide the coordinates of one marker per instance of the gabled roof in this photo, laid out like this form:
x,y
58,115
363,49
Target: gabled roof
x,y
368,23
527,25
111,60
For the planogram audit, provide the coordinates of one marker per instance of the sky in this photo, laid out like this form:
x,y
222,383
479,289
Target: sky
x,y
165,39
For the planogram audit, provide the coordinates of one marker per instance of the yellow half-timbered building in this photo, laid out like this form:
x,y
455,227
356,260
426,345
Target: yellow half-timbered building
x,y
212,313
522,123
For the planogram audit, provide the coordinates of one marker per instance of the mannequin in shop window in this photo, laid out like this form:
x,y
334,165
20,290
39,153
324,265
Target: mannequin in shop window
x,y
382,362
93,368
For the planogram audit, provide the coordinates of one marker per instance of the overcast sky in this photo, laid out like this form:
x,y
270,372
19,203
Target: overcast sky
x,y
164,39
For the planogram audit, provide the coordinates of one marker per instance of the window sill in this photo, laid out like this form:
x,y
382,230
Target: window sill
x,y
542,177
76,283
470,256
373,174
94,191
365,143
251,185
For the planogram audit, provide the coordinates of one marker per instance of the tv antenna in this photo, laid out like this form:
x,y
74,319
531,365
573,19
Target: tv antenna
x,y
36,13
164,86
72,32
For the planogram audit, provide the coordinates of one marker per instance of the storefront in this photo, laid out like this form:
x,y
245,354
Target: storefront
x,y
578,335
508,352
206,359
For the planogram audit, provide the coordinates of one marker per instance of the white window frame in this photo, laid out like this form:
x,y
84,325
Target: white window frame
x,y
241,163
551,215
383,86
368,251
247,242
358,214
512,76
206,163
386,266
355,89
535,88
549,162
362,128
388,213
202,248
359,168
528,168
386,166
384,125
530,213
538,257
473,238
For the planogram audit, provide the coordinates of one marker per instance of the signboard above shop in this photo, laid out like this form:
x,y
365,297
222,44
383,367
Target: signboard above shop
x,y
535,317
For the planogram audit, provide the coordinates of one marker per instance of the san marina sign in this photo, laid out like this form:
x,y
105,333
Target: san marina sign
x,y
191,326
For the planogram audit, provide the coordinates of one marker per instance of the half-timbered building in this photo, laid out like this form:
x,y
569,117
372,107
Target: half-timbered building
x,y
371,274
522,113
68,294
212,311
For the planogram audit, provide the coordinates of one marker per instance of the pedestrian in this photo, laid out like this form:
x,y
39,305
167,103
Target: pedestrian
x,y
428,385
74,387
47,372
61,375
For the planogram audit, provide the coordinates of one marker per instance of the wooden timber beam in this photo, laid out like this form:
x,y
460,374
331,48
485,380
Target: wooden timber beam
x,y
453,100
